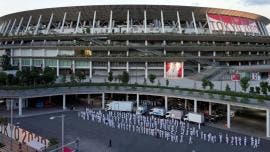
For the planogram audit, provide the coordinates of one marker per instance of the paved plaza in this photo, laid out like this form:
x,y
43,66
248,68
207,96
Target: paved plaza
x,y
95,137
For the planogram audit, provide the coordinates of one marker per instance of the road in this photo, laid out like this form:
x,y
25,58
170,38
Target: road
x,y
95,137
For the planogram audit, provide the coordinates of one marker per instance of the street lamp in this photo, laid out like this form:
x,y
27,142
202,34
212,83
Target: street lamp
x,y
63,122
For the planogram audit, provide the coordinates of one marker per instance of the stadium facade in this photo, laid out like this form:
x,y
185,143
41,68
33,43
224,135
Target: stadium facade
x,y
168,41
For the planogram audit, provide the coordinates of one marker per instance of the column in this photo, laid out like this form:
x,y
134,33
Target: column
x,y
28,23
145,22
90,70
127,97
37,26
195,106
103,100
64,102
194,23
88,99
57,67
146,70
268,123
110,22
210,108
20,106
127,68
73,66
2,27
164,70
179,22
166,103
19,27
162,21
109,66
138,100
127,21
63,22
199,68
49,25
186,104
94,22
78,22
228,116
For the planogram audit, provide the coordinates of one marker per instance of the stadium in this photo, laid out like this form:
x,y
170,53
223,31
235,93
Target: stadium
x,y
169,41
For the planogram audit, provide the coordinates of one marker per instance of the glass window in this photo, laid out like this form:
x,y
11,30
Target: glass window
x,y
26,62
51,62
82,63
65,63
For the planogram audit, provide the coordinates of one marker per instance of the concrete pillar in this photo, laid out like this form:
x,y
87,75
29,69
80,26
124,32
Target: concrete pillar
x,y
145,22
166,103
186,104
64,102
49,25
28,23
19,27
208,22
127,67
57,68
94,22
146,70
194,23
127,21
88,99
78,22
73,66
103,100
63,22
268,123
199,68
228,116
90,70
12,27
127,97
195,106
20,106
109,66
210,108
110,22
179,22
162,21
37,26
164,71
138,100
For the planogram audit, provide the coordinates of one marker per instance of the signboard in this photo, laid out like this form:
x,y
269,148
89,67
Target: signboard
x,y
232,24
235,77
174,70
22,135
255,76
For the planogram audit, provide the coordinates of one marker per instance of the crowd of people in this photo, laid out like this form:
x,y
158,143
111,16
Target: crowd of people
x,y
169,129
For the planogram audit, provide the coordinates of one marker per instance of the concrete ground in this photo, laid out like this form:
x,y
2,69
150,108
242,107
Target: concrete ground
x,y
95,137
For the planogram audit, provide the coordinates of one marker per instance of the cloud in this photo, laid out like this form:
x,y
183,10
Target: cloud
x,y
257,2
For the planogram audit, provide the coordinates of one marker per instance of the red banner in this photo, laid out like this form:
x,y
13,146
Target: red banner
x,y
232,24
235,77
174,69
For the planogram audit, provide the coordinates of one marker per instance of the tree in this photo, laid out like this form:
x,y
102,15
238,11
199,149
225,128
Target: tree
x,y
167,82
88,30
258,90
72,78
125,77
64,79
3,78
244,83
211,85
6,62
205,83
80,75
152,78
227,88
110,76
264,87
119,78
49,75
251,90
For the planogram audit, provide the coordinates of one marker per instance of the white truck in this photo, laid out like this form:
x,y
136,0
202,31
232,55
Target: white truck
x,y
194,117
174,114
141,110
120,106
157,111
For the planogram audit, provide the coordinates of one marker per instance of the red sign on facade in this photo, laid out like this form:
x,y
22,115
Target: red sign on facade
x,y
235,77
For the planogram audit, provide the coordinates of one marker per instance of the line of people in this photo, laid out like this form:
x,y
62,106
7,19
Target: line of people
x,y
169,129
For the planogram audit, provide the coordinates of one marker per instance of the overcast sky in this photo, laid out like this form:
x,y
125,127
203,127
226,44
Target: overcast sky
x,y
261,7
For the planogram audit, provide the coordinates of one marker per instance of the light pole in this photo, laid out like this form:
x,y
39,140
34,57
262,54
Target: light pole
x,y
63,123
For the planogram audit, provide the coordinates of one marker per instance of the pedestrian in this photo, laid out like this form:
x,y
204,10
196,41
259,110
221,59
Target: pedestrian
x,y
110,143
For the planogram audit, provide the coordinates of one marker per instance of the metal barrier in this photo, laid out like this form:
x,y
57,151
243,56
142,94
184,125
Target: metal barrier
x,y
74,145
